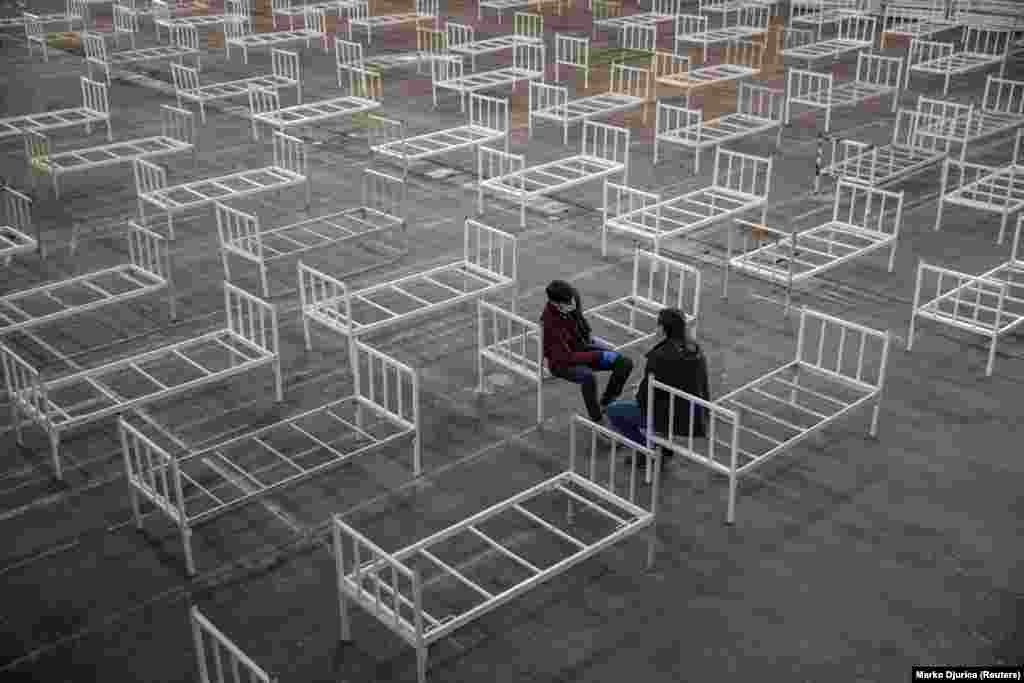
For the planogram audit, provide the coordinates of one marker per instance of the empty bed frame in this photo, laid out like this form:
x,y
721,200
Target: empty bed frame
x,y
447,73
990,304
360,17
864,220
286,73
982,47
741,184
994,189
202,484
661,12
488,266
917,19
856,33
489,122
364,95
184,43
630,88
838,367
528,28
177,136
15,226
514,343
821,13
742,59
61,404
95,109
381,212
751,21
148,271
595,491
1000,112
290,169
604,151
164,17
911,151
216,653
758,111
877,76
238,34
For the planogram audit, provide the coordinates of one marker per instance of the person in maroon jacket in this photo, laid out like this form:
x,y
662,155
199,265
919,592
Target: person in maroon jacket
x,y
574,354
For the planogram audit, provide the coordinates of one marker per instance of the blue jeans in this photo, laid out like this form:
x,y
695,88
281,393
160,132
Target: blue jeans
x,y
626,418
584,376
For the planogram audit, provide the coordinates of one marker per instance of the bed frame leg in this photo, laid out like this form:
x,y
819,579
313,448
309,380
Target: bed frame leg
x,y
278,380
1002,228
991,356
264,284
730,513
522,213
421,664
55,455
186,542
873,430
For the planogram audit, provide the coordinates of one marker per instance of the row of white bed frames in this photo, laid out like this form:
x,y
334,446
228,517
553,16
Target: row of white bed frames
x,y
419,637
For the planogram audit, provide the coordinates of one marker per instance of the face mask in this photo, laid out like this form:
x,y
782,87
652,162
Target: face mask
x,y
566,308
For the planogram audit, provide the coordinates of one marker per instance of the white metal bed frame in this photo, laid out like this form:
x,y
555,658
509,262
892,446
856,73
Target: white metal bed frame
x,y
604,151
382,210
572,52
286,73
821,13
15,225
426,10
210,644
19,21
238,34
388,587
919,19
285,8
184,43
658,282
35,34
448,73
488,266
909,153
1001,111
251,339
125,22
759,110
990,304
662,11
364,88
838,367
164,18
177,135
856,32
348,55
751,21
864,220
877,76
742,59
742,183
498,6
147,272
630,88
982,47
290,169
489,122
995,189
203,484
95,109
526,27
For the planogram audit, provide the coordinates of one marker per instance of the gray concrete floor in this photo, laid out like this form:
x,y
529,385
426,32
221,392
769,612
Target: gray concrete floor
x,y
852,560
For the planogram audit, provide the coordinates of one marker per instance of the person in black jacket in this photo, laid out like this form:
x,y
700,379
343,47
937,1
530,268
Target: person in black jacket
x,y
574,354
677,360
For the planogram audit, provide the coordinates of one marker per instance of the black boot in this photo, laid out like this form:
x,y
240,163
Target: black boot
x,y
621,370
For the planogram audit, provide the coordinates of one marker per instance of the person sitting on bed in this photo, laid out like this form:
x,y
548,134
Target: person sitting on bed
x,y
678,361
574,354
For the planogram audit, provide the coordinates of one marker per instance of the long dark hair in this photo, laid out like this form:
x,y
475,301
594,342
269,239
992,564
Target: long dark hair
x,y
673,322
